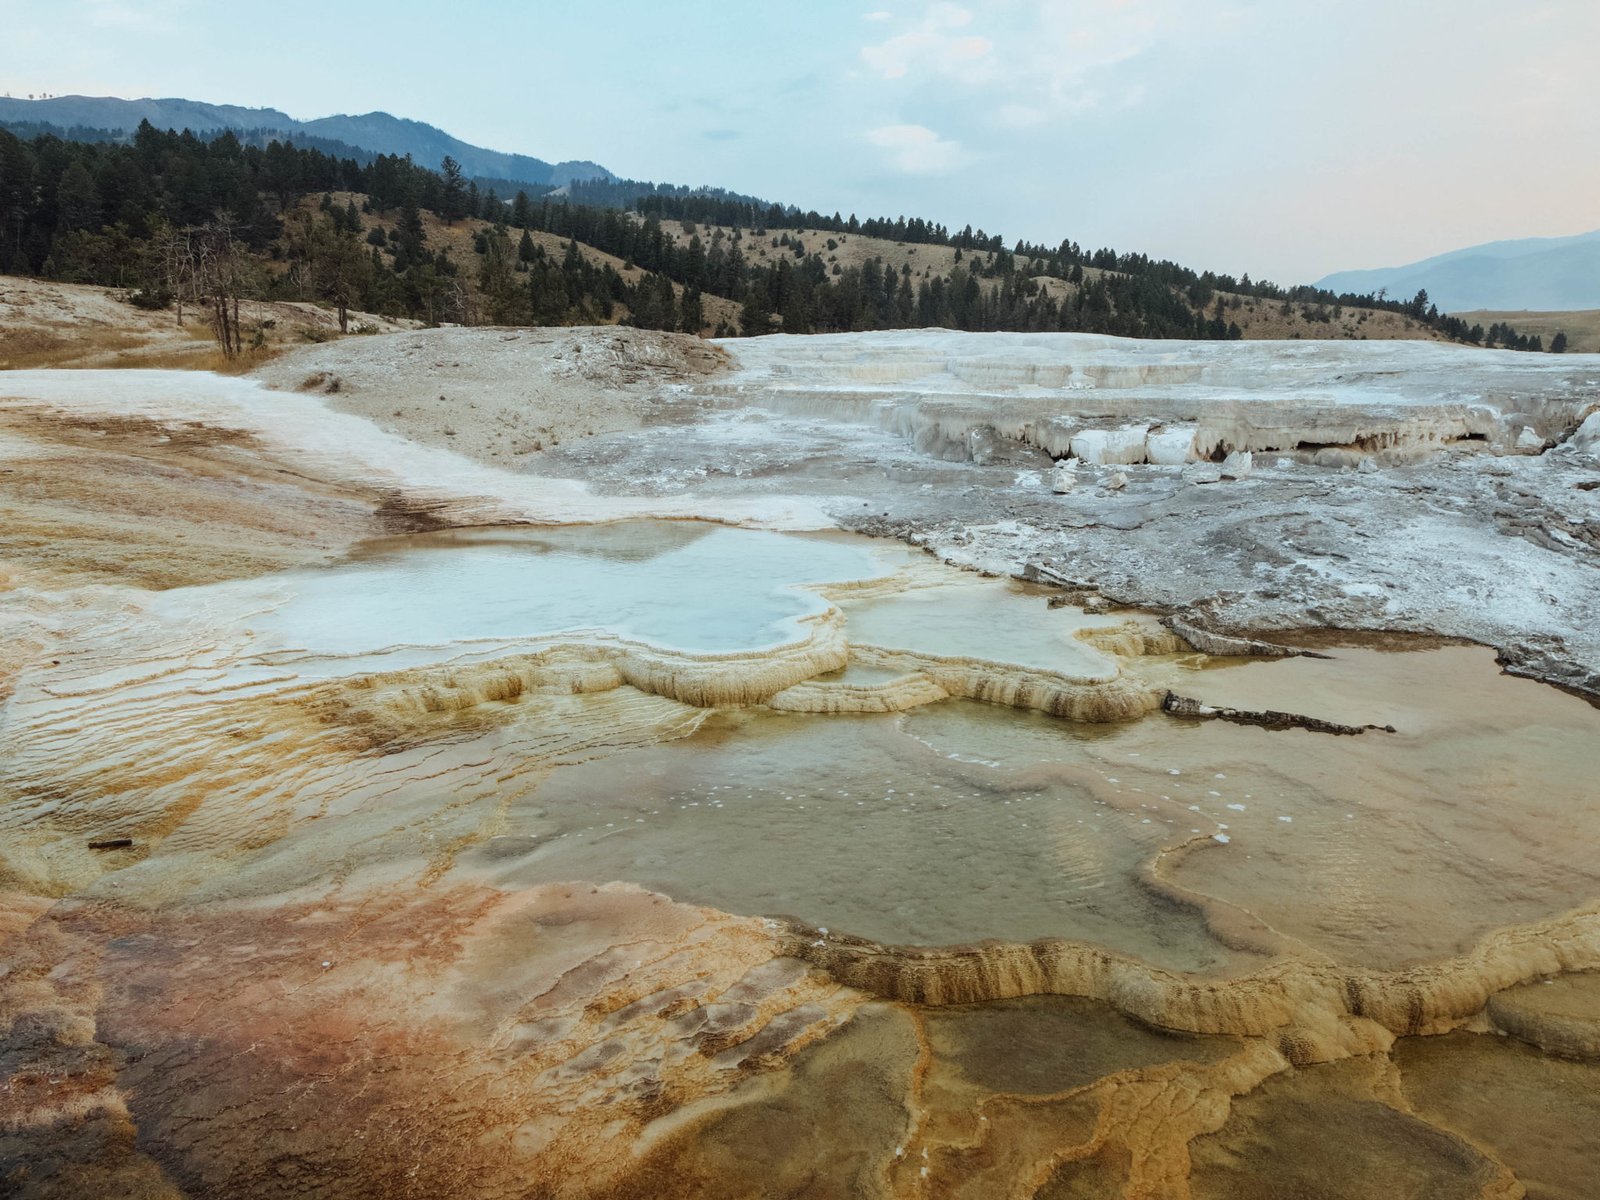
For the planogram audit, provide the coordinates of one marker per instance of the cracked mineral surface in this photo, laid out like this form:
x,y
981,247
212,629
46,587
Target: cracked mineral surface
x,y
392,807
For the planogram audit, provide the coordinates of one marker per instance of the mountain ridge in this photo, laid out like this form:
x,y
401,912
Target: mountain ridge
x,y
377,132
1543,274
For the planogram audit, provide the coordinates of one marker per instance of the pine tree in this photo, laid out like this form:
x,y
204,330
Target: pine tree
x,y
409,236
753,318
694,263
77,201
281,173
645,305
508,302
693,318
666,304
453,196
343,273
1558,344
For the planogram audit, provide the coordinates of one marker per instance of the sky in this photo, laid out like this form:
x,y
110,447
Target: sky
x,y
1283,138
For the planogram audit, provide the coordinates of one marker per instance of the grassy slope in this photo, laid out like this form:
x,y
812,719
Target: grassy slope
x,y
1582,327
1257,318
458,239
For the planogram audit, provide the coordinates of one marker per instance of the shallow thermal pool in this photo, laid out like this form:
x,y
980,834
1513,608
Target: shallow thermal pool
x,y
683,585
853,823
992,620
959,821
1200,846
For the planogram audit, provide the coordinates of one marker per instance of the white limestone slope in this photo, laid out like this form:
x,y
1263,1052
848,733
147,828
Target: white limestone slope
x,y
1122,401
307,431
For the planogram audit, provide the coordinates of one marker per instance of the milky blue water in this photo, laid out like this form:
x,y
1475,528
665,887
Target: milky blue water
x,y
682,585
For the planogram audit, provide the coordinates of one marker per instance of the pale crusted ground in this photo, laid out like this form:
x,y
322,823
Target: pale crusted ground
x,y
499,395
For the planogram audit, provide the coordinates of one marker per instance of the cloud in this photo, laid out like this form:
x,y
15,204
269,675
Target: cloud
x,y
937,42
917,150
879,15
1037,60
124,15
1024,116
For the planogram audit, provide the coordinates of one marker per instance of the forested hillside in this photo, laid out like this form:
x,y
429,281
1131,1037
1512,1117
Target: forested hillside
x,y
174,218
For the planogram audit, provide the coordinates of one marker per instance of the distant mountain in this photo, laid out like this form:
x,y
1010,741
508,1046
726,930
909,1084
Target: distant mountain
x,y
1536,274
377,132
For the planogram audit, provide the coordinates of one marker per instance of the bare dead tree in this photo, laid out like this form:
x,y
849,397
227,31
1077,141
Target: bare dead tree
x,y
466,304
304,245
222,275
179,265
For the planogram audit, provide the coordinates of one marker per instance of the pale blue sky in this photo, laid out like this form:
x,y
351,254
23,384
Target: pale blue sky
x,y
1287,138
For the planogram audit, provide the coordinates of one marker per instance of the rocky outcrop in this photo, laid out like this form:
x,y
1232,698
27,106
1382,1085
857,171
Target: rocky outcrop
x,y
1222,646
1187,706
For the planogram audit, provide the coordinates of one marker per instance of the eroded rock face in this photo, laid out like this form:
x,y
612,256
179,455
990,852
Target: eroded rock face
x,y
1586,438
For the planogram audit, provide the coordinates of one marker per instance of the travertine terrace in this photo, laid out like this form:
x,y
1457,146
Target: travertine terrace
x,y
496,764
1392,486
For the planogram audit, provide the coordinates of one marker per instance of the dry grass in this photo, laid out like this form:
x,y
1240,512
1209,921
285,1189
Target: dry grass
x,y
1266,319
848,250
45,324
1582,326
191,349
202,358
26,349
